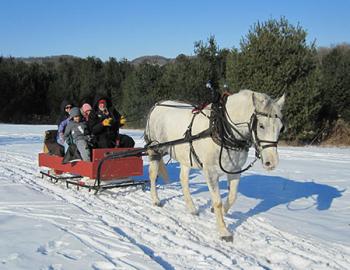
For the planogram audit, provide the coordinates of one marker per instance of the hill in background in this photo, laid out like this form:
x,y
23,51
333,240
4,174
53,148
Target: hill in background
x,y
45,59
150,59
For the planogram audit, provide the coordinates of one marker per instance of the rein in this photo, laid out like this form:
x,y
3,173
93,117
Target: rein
x,y
222,128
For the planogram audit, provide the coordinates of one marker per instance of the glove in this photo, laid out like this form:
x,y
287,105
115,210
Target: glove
x,y
122,120
107,122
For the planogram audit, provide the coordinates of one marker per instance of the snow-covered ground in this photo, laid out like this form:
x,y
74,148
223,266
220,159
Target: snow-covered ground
x,y
296,217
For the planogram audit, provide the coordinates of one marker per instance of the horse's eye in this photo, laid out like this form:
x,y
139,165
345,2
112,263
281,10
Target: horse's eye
x,y
261,126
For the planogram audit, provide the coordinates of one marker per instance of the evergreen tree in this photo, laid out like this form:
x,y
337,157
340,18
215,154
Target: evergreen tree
x,y
140,92
185,80
210,54
115,73
275,59
335,86
89,78
64,86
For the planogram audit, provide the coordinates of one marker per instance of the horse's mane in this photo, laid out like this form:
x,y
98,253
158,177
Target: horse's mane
x,y
266,105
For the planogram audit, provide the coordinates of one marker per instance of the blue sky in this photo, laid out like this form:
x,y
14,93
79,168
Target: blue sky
x,y
133,28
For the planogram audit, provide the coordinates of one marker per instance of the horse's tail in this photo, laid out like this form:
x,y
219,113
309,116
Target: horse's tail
x,y
156,156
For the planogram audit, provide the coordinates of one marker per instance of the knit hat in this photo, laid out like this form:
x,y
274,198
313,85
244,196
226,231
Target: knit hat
x,y
75,111
102,101
86,107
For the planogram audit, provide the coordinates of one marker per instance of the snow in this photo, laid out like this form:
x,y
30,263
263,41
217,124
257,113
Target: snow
x,y
296,217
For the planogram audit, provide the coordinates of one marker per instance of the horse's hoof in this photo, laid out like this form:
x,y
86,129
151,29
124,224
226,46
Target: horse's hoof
x,y
159,204
223,211
228,238
195,213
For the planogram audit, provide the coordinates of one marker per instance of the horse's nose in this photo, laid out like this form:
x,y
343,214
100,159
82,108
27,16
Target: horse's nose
x,y
267,163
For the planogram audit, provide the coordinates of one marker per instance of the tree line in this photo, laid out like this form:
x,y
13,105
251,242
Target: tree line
x,y
274,58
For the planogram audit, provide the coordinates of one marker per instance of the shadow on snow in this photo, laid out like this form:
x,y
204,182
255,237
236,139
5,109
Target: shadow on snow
x,y
270,190
7,140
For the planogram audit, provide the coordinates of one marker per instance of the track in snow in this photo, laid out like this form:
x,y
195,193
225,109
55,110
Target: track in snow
x,y
118,220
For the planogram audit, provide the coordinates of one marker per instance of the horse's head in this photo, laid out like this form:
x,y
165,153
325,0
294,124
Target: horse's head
x,y
266,125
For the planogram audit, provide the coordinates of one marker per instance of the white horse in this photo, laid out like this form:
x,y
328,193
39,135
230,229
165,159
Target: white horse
x,y
253,117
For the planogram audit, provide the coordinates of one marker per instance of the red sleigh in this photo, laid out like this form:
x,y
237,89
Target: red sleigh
x,y
104,172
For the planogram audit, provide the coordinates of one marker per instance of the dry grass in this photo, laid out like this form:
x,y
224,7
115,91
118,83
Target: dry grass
x,y
339,135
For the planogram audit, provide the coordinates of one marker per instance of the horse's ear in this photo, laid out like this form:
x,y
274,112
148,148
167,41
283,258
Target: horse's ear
x,y
281,100
255,100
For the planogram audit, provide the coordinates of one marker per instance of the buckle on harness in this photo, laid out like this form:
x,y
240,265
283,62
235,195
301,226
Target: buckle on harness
x,y
199,108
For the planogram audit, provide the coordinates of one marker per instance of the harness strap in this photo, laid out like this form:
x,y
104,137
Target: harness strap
x,y
188,136
223,130
271,144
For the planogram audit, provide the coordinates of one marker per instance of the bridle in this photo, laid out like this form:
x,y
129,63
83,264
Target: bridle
x,y
259,144
246,142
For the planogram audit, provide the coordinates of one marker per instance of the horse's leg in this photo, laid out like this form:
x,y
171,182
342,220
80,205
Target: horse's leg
x,y
153,173
184,173
212,180
233,181
163,172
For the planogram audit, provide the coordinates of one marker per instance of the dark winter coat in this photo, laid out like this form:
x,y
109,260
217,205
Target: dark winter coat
x,y
105,136
63,119
63,114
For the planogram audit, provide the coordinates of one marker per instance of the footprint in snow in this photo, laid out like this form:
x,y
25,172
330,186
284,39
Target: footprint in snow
x,y
55,267
103,266
11,257
51,246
